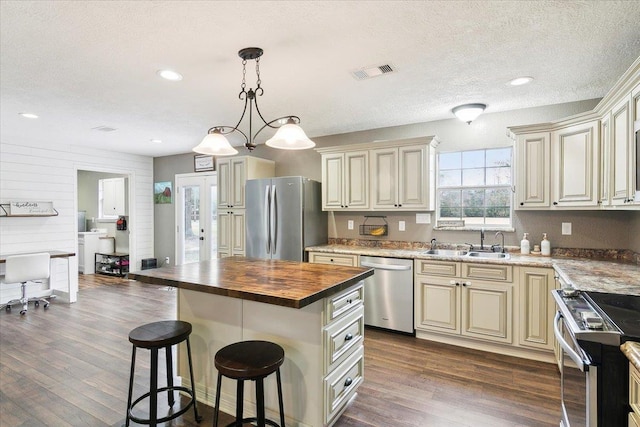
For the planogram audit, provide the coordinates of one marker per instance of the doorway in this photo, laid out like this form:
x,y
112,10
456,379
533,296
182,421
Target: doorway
x,y
196,217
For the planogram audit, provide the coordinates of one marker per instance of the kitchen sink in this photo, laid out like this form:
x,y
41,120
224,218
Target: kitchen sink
x,y
493,255
445,252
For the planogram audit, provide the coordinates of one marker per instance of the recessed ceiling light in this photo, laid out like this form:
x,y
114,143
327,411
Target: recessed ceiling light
x,y
156,141
521,81
29,115
170,75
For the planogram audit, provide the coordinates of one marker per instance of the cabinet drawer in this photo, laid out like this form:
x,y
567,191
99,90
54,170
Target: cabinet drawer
x,y
342,383
342,337
437,268
502,273
343,302
634,419
337,259
634,389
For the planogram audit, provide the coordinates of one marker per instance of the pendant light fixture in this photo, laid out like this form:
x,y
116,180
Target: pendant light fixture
x,y
468,112
289,136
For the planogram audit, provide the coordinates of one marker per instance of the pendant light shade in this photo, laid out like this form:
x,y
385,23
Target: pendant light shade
x,y
290,136
468,112
215,144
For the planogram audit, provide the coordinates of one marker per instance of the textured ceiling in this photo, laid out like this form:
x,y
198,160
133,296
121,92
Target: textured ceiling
x,y
81,65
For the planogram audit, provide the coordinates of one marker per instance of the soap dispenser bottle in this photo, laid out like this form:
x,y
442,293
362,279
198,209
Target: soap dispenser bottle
x,y
525,246
545,245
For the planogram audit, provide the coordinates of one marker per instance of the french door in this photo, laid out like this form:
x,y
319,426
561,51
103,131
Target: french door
x,y
196,217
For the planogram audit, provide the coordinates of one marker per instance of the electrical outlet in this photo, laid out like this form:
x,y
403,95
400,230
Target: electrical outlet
x,y
167,260
401,225
566,229
350,224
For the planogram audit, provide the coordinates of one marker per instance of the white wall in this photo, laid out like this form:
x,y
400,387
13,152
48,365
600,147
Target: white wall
x,y
49,173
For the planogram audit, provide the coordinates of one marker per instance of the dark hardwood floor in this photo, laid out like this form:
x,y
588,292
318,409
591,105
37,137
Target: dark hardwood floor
x,y
69,366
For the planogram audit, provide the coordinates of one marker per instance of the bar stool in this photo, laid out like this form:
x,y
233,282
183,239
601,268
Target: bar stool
x,y
250,360
154,336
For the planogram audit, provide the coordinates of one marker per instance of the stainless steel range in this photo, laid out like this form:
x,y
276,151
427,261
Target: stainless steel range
x,y
590,327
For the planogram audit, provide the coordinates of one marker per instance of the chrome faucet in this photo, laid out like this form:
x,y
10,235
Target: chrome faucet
x,y
502,235
482,239
433,243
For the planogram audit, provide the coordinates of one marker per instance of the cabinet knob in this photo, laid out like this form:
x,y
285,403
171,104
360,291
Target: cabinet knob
x,y
348,382
348,337
555,203
201,238
521,203
395,205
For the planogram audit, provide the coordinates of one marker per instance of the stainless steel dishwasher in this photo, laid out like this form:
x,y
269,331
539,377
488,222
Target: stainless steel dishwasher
x,y
388,294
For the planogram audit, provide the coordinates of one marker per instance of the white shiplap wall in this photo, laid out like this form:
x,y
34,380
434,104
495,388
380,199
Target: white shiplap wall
x,y
49,173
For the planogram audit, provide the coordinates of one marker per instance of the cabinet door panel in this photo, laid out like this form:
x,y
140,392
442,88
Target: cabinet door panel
x,y
224,232
224,182
536,307
384,164
576,162
439,305
332,180
237,233
620,143
487,311
533,171
413,175
357,180
238,180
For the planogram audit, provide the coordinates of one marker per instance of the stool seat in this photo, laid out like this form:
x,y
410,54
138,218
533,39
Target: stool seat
x,y
160,334
249,359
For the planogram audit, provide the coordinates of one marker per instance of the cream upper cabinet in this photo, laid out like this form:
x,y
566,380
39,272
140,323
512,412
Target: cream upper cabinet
x,y
576,163
621,150
401,174
604,198
400,178
533,164
345,180
233,173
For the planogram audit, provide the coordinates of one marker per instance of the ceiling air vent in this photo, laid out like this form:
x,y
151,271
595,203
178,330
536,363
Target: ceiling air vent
x,y
369,72
104,129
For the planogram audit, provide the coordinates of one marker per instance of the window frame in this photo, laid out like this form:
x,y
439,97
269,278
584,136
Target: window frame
x,y
440,221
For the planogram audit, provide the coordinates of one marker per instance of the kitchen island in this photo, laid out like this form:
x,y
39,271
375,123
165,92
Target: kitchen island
x,y
313,311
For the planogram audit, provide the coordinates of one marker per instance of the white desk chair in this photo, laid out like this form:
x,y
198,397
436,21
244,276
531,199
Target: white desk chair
x,y
22,269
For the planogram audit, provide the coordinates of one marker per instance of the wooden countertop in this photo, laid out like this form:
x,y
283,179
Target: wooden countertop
x,y
286,283
53,254
632,350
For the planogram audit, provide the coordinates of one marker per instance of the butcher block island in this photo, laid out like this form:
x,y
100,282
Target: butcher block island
x,y
314,311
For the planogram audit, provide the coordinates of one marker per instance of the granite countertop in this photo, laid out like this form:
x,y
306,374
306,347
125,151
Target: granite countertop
x,y
286,283
585,274
631,349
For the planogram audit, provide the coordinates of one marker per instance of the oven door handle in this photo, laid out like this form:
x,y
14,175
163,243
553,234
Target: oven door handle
x,y
579,361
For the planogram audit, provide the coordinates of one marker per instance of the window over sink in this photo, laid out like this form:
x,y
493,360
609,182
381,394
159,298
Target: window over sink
x,y
474,189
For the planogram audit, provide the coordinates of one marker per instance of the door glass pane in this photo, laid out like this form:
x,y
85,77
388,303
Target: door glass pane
x,y
191,227
213,226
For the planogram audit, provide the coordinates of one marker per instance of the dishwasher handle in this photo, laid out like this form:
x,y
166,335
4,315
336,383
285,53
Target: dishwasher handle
x,y
391,267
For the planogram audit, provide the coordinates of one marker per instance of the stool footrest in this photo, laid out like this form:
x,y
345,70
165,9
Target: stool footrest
x,y
251,420
168,417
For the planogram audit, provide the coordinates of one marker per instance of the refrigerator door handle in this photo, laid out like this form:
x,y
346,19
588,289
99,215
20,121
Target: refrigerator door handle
x,y
273,218
266,218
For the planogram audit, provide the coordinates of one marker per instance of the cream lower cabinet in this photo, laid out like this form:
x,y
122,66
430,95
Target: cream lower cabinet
x,y
231,233
536,307
465,299
337,259
634,396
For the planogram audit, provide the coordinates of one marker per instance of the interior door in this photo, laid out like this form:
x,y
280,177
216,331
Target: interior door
x,y
196,217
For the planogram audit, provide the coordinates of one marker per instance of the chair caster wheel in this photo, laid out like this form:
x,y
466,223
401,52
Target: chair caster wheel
x,y
46,305
8,308
37,303
23,312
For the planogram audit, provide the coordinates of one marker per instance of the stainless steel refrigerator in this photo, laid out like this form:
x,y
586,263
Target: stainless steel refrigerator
x,y
284,215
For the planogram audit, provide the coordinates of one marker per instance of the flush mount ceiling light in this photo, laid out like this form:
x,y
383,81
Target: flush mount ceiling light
x,y
468,112
170,75
521,81
28,115
156,141
289,136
